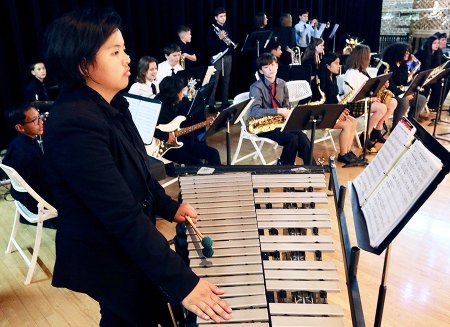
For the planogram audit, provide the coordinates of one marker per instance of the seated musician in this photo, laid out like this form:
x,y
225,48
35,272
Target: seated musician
x,y
274,48
192,152
312,57
329,68
146,84
396,55
26,155
272,98
171,65
356,75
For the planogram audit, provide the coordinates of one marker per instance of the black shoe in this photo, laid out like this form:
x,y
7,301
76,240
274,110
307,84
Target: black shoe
x,y
376,136
346,158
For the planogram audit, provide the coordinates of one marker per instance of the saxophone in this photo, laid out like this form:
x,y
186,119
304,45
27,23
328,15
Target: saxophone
x,y
322,95
414,70
434,72
384,94
265,124
347,97
183,61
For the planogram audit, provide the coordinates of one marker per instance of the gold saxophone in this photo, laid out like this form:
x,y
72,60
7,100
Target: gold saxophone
x,y
322,95
434,72
414,70
269,123
384,94
265,124
183,61
346,97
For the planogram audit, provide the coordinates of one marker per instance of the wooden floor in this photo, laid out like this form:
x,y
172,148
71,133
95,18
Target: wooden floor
x,y
418,278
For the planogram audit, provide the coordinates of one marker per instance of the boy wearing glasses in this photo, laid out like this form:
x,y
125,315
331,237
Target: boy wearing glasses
x,y
25,155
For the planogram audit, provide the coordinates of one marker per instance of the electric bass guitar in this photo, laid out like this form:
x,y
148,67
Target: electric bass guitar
x,y
158,147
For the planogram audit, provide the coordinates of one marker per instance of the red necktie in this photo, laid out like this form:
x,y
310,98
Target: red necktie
x,y
272,93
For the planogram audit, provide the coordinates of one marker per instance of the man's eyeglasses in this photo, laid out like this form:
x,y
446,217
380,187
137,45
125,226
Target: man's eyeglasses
x,y
35,121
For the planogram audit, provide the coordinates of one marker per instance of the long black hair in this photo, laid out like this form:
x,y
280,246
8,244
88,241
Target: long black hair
x,y
169,88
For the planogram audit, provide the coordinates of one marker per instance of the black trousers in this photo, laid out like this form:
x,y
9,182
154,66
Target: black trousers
x,y
294,143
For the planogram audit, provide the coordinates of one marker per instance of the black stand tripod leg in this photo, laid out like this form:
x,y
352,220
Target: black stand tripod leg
x,y
313,135
382,290
366,138
227,141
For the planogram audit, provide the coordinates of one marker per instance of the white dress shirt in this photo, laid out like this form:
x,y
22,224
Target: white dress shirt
x,y
164,70
144,89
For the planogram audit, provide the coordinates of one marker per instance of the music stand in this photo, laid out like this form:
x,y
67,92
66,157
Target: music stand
x,y
367,90
231,114
333,35
311,117
199,102
441,77
361,230
196,73
254,39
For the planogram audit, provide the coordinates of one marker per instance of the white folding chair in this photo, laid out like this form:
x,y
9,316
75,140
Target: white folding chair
x,y
255,140
45,212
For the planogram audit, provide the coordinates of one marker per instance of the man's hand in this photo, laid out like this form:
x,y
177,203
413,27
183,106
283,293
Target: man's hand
x,y
204,302
184,210
284,112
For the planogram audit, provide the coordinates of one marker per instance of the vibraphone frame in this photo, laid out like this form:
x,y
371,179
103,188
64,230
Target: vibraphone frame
x,y
350,253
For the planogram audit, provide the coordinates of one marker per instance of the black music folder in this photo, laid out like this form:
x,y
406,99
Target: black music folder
x,y
387,194
371,87
302,116
417,82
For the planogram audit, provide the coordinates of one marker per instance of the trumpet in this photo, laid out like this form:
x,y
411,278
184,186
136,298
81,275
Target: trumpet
x,y
226,39
327,24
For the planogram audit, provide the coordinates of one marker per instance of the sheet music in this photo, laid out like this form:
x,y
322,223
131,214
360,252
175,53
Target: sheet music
x,y
398,192
389,154
145,116
209,72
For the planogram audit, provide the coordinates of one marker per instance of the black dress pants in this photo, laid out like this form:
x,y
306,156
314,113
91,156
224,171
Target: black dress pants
x,y
294,143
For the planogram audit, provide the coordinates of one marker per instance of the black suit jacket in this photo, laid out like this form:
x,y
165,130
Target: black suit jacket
x,y
107,244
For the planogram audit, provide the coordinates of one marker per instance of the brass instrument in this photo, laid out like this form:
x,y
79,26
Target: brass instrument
x,y
384,94
347,97
296,56
322,95
414,70
434,72
265,124
183,61
226,39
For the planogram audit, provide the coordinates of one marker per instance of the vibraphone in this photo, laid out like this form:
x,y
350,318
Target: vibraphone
x,y
268,247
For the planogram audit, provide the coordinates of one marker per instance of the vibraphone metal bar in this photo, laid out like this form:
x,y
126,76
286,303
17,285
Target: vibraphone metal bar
x,y
247,252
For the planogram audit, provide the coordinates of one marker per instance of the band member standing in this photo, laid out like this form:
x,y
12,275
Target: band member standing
x,y
146,84
272,98
107,245
216,44
188,56
305,31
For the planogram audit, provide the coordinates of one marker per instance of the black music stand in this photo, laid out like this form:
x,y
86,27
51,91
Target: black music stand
x,y
255,39
231,114
415,87
367,91
311,117
196,73
333,35
441,77
362,234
